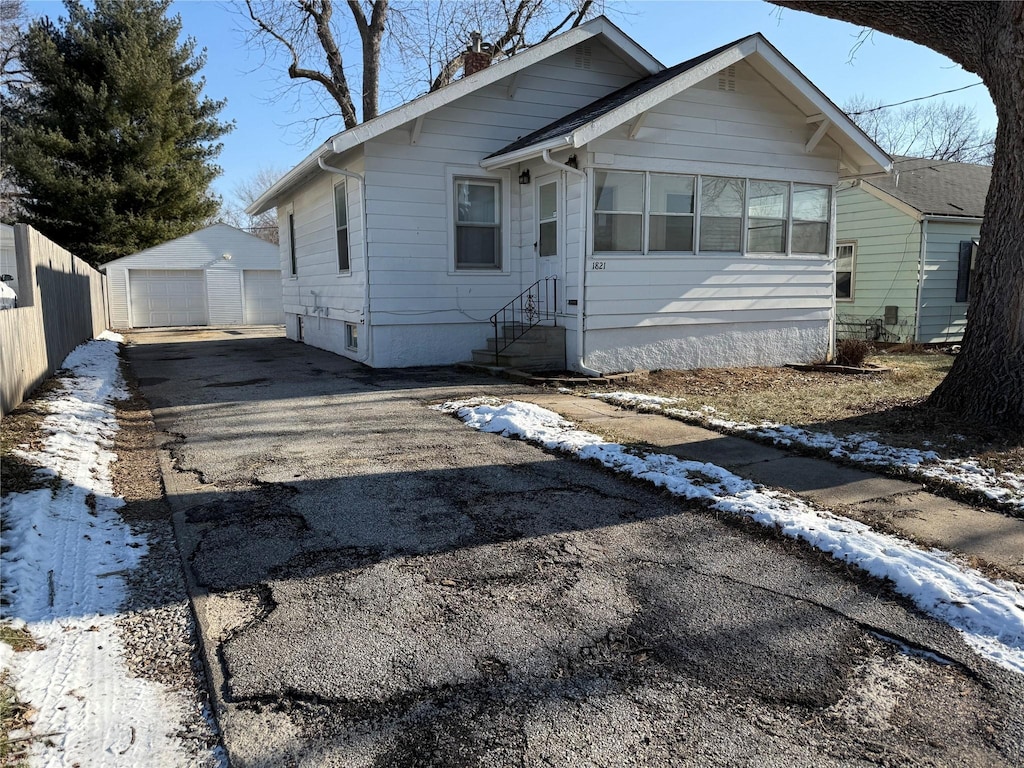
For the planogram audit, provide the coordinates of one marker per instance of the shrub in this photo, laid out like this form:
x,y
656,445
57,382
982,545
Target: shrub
x,y
852,352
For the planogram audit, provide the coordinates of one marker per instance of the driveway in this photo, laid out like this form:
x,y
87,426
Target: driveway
x,y
378,585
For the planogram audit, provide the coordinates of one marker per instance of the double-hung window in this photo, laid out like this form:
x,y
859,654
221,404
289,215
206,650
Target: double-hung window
x,y
721,214
671,217
341,225
767,216
477,224
811,208
293,261
846,255
618,211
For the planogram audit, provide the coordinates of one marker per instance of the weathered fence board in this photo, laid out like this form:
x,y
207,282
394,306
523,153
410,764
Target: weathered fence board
x,y
60,304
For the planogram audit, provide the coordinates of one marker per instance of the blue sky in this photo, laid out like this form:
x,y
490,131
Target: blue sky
x,y
884,68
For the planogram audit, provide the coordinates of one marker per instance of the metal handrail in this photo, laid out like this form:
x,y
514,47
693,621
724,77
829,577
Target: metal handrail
x,y
530,308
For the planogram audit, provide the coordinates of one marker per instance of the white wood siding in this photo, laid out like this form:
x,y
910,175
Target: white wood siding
x,y
318,290
750,132
749,309
888,250
942,318
408,194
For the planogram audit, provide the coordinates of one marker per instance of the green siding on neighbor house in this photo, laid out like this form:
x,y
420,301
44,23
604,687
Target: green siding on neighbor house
x,y
888,248
942,317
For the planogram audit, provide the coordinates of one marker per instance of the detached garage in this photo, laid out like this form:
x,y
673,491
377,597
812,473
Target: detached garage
x,y
216,276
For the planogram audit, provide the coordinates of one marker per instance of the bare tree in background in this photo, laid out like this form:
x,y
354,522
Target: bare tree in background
x,y
938,130
986,382
12,24
13,20
244,194
428,38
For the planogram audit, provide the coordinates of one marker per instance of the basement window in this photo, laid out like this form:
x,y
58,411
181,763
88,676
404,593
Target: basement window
x,y
352,337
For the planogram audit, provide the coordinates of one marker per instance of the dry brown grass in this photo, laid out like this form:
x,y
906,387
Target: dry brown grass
x,y
889,403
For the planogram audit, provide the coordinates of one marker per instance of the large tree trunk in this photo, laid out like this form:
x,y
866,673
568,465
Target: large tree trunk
x,y
986,383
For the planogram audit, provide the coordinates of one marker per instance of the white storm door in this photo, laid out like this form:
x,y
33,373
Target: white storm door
x,y
550,228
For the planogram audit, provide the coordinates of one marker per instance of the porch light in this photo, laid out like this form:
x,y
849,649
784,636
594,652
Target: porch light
x,y
524,177
572,162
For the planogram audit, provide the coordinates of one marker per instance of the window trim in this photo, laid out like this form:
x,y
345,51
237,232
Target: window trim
x,y
501,179
853,272
351,337
698,213
347,269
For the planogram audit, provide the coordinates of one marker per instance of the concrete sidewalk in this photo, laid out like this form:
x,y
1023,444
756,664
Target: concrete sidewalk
x,y
895,506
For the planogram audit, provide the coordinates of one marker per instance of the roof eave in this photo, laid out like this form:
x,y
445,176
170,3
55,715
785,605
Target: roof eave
x,y
526,153
267,200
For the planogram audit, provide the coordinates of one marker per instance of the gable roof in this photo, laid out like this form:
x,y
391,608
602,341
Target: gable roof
x,y
937,187
565,126
860,154
395,118
215,239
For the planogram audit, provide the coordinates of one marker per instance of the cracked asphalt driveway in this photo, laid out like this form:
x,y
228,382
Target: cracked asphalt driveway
x,y
378,585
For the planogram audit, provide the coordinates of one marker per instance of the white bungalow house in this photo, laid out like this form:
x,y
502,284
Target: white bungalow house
x,y
683,216
218,275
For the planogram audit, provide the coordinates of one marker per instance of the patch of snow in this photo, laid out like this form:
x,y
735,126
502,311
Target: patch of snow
x,y
1004,488
68,552
989,614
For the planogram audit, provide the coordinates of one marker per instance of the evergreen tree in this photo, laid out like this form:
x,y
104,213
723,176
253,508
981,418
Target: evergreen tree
x,y
111,140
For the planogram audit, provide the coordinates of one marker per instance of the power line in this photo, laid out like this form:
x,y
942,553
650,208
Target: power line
x,y
919,98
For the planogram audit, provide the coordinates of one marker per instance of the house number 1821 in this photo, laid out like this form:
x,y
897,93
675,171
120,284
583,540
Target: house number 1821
x,y
599,265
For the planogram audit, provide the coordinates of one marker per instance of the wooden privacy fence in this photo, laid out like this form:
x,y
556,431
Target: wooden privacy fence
x,y
60,304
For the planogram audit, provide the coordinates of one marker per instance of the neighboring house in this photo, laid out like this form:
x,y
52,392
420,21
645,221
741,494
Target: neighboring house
x,y
219,275
685,214
905,247
8,260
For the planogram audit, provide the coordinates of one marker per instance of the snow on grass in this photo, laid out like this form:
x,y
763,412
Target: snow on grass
x,y
989,614
66,554
1004,488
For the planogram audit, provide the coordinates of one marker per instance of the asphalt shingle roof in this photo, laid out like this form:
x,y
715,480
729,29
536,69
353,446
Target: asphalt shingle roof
x,y
938,187
594,110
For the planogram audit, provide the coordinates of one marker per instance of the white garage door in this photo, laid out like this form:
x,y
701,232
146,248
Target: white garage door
x,y
163,297
263,297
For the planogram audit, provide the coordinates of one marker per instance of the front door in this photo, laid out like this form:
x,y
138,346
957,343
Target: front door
x,y
549,228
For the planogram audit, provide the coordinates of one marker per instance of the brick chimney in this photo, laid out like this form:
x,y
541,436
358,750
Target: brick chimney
x,y
477,56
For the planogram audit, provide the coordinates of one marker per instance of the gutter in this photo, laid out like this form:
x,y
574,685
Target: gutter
x,y
581,302
365,249
527,153
263,202
953,219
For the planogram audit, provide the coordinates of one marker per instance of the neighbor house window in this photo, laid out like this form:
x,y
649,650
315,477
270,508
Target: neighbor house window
x,y
767,216
341,225
811,213
352,337
846,258
618,211
477,224
671,217
293,263
721,213
965,265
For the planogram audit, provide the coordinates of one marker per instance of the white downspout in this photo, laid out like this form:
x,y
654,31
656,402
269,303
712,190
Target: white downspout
x,y
581,301
365,249
920,280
